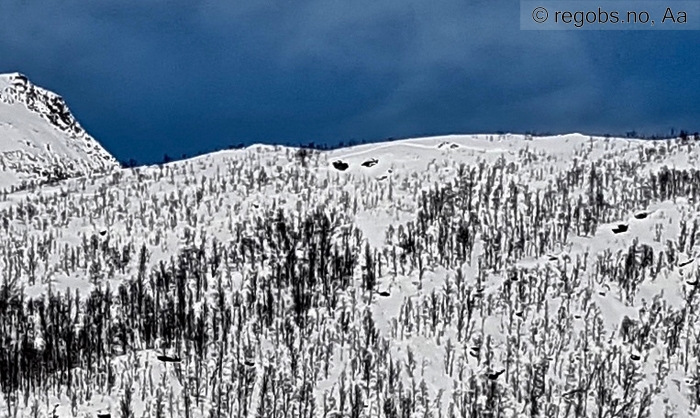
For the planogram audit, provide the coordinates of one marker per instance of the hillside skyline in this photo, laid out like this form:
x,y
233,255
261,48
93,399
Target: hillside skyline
x,y
185,78
169,156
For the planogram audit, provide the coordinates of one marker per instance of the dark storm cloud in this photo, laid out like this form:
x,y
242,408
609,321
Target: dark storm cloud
x,y
149,77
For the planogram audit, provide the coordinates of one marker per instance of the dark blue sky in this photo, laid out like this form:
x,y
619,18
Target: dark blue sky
x,y
173,76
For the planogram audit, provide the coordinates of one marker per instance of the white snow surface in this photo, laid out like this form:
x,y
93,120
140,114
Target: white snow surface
x,y
40,139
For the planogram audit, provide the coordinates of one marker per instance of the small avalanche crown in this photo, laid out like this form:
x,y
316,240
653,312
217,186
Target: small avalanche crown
x,y
40,140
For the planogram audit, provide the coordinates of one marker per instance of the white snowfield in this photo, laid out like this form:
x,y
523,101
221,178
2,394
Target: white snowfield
x,y
39,138
457,276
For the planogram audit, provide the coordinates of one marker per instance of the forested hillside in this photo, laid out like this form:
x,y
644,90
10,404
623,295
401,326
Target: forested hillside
x,y
463,276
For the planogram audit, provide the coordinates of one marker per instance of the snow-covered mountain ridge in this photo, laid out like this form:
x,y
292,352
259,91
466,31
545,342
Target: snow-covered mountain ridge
x,y
458,276
40,140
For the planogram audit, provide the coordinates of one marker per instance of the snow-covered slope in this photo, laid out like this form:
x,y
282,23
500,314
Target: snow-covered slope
x,y
461,276
40,140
